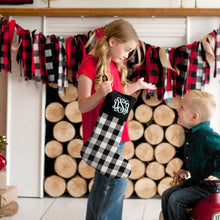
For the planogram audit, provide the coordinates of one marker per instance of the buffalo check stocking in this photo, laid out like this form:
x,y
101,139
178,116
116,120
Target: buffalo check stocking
x,y
100,151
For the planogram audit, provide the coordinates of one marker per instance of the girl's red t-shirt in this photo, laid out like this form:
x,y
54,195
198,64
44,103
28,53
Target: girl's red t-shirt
x,y
89,119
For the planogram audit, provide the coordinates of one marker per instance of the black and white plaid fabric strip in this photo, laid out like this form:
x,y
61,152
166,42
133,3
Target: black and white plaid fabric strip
x,y
65,80
37,62
184,73
60,66
168,94
49,60
100,151
200,74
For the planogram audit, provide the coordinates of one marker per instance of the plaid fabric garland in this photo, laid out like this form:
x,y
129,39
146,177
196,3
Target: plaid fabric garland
x,y
60,67
5,53
146,69
55,53
49,60
76,51
181,60
25,53
100,151
200,77
65,75
36,56
174,74
191,62
168,82
156,73
193,66
41,44
71,50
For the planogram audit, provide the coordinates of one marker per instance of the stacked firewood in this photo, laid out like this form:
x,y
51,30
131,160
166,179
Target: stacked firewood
x,y
154,150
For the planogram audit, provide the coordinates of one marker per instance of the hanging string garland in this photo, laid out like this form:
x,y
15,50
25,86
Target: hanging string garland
x,y
52,59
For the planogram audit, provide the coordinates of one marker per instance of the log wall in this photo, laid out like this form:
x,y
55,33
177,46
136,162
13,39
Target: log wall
x,y
154,151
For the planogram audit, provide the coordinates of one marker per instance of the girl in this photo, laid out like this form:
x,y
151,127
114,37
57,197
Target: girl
x,y
108,58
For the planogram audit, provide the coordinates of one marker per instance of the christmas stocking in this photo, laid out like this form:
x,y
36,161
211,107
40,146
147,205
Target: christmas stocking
x,y
100,151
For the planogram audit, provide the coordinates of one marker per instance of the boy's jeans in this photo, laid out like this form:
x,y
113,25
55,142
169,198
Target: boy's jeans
x,y
106,198
177,199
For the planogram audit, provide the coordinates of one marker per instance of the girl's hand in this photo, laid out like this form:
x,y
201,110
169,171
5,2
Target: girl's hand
x,y
210,178
104,88
144,85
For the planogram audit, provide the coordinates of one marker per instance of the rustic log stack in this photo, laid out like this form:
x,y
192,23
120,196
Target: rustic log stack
x,y
154,150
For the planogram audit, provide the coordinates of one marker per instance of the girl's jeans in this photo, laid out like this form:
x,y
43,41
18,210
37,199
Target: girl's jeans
x,y
105,200
177,199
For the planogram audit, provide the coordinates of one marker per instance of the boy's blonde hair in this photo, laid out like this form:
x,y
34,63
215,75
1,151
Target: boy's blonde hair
x,y
202,103
123,32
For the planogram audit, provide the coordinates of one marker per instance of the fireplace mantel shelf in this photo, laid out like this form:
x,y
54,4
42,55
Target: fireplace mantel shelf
x,y
109,12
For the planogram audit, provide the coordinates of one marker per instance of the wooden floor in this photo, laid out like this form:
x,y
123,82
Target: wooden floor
x,y
74,209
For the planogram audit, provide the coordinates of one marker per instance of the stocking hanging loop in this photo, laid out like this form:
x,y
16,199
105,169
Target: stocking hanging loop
x,y
104,78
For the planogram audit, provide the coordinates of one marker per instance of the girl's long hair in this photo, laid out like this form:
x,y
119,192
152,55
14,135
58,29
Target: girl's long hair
x,y
122,31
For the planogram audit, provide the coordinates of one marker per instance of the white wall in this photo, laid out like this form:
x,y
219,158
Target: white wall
x,y
25,126
198,27
25,115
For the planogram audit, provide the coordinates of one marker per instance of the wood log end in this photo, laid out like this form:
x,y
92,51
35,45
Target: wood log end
x,y
74,147
53,149
163,115
155,170
144,152
164,152
65,166
135,130
63,131
54,112
164,184
145,188
85,170
77,186
175,135
154,134
137,169
54,186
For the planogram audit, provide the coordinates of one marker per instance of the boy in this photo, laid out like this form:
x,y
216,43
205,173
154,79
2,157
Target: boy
x,y
201,156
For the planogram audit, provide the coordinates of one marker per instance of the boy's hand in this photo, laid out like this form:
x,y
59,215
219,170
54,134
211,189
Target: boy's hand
x,y
181,174
210,178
